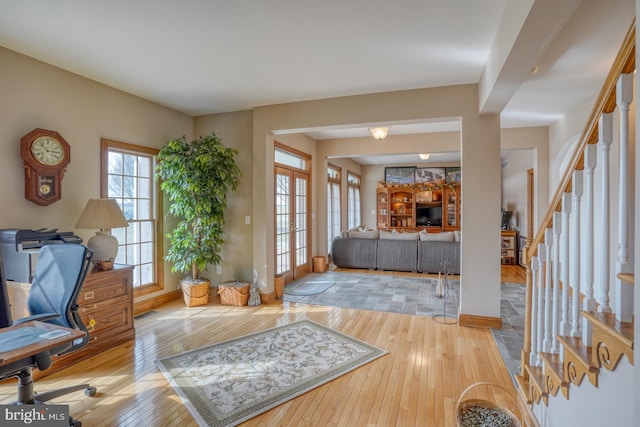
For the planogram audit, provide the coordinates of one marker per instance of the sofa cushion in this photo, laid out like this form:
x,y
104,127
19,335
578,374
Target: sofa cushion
x,y
354,253
446,236
398,255
372,234
390,235
439,257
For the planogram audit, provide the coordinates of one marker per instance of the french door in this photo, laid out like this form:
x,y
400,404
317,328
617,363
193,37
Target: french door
x,y
292,228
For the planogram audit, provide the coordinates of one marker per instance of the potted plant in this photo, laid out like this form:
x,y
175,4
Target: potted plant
x,y
197,176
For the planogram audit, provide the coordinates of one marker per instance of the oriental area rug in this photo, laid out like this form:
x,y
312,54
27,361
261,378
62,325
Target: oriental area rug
x,y
230,382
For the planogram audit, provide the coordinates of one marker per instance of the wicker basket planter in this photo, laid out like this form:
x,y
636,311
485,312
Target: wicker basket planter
x,y
234,293
195,293
278,283
486,413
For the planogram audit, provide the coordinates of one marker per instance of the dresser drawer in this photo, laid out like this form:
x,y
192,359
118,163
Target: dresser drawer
x,y
100,291
108,304
110,317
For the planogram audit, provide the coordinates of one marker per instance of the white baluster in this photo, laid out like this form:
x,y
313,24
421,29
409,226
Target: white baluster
x,y
542,255
564,263
576,191
624,291
548,286
555,265
605,138
588,303
533,356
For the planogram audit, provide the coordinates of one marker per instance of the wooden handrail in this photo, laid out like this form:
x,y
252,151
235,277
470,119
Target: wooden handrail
x,y
624,63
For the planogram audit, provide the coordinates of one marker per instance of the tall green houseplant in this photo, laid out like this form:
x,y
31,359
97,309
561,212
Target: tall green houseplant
x,y
197,176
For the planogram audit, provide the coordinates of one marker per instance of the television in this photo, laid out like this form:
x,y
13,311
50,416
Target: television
x,y
506,220
428,216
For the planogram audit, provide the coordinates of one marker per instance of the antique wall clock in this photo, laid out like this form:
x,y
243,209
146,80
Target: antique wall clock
x,y
46,155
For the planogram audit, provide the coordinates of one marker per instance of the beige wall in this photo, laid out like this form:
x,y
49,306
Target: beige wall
x,y
36,95
480,147
563,133
235,130
536,141
514,186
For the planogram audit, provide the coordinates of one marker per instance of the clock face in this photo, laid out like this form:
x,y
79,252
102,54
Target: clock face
x,y
47,150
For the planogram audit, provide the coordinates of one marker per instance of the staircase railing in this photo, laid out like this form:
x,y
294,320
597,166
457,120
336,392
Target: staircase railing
x,y
569,258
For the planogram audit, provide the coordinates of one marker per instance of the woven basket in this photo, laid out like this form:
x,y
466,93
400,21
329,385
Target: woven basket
x,y
234,293
195,294
509,409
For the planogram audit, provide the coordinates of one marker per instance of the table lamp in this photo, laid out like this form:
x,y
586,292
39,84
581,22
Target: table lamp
x,y
103,214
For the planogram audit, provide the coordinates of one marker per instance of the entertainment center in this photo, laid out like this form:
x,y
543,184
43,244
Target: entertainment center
x,y
432,206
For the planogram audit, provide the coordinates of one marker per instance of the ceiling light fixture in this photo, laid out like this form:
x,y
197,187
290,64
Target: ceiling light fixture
x,y
424,157
379,133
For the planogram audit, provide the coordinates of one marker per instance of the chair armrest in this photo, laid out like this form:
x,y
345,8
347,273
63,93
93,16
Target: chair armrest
x,y
43,317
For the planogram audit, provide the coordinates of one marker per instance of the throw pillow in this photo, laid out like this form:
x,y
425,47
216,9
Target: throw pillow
x,y
390,235
446,236
428,237
373,234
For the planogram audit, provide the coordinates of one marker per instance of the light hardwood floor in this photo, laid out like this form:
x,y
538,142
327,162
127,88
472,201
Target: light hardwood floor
x,y
417,384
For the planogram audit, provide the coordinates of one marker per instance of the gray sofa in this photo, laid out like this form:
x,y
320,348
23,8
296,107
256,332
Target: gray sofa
x,y
396,255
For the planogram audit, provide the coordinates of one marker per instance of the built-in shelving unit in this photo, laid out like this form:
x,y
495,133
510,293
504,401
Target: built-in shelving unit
x,y
431,207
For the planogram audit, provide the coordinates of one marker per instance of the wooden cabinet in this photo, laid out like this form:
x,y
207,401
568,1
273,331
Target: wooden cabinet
x,y
509,248
401,208
106,308
382,208
452,207
407,209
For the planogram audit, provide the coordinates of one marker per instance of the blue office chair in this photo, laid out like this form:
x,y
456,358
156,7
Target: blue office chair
x,y
60,272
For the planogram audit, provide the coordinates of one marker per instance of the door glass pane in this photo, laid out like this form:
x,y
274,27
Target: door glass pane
x,y
451,209
301,222
283,210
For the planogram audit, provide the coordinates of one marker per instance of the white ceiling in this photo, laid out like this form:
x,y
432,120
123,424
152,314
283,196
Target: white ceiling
x,y
210,56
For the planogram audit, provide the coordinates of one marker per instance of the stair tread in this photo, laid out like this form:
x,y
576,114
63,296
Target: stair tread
x,y
623,331
554,370
537,375
579,350
523,388
553,362
627,278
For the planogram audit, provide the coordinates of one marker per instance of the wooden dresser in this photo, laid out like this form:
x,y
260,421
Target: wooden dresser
x,y
106,308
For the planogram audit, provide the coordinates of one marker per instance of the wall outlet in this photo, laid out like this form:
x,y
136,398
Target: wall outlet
x,y
218,269
247,219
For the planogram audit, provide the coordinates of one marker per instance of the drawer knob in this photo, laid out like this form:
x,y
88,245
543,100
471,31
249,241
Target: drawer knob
x,y
88,295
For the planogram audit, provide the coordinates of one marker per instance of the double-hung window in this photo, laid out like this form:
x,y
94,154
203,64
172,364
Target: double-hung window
x,y
128,176
333,203
354,216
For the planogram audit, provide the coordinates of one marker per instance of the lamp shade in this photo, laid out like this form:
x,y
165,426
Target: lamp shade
x,y
379,133
102,214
